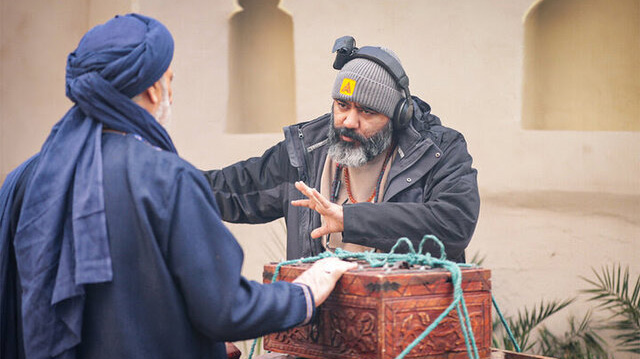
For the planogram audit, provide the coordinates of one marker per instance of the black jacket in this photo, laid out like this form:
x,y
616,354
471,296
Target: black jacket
x,y
431,189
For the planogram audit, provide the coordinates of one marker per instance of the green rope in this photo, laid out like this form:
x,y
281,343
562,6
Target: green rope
x,y
376,260
465,322
253,347
506,326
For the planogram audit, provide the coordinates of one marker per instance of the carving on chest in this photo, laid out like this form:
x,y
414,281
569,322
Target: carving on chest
x,y
374,313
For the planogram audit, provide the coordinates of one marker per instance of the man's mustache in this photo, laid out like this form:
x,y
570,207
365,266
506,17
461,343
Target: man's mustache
x,y
350,133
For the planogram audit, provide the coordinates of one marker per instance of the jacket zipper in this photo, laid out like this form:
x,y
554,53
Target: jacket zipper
x,y
305,174
307,179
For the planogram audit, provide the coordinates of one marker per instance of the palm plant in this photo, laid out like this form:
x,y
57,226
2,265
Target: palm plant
x,y
522,327
614,293
477,259
580,341
611,289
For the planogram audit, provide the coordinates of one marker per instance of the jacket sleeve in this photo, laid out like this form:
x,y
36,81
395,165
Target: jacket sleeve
x,y
449,209
205,260
252,191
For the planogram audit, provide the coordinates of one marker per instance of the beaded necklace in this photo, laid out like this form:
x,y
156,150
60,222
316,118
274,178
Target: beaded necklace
x,y
335,187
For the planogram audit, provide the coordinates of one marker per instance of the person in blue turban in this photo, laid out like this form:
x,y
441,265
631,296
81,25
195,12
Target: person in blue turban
x,y
111,245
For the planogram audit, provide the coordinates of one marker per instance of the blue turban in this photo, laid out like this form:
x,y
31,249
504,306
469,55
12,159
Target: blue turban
x,y
61,240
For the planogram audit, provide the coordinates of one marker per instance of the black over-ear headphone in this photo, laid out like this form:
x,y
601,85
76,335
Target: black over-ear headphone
x,y
346,50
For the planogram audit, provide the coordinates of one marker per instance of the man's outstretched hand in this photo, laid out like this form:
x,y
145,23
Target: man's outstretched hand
x,y
330,212
322,276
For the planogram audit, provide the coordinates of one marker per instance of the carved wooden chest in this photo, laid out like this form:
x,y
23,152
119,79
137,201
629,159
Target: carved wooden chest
x,y
375,313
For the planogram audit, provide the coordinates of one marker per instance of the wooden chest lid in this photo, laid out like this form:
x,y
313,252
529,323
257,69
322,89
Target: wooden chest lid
x,y
395,281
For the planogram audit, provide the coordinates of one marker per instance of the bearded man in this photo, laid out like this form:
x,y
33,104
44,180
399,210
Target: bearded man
x,y
111,245
378,167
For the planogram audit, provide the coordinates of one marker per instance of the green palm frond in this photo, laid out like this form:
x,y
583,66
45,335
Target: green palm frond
x,y
477,258
526,321
581,341
611,289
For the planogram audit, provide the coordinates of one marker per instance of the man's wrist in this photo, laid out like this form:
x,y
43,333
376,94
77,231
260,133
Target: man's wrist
x,y
310,303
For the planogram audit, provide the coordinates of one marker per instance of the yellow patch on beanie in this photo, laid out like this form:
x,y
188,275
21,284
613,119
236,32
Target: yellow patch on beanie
x,y
347,87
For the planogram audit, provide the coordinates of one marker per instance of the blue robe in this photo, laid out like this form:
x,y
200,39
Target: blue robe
x,y
176,290
115,249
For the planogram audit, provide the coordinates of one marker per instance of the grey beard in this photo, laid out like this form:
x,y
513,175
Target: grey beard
x,y
163,113
350,155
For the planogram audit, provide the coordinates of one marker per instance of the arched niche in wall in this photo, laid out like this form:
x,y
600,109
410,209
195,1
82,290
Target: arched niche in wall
x,y
582,65
261,68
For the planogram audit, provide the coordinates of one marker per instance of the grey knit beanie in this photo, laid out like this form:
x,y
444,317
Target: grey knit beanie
x,y
368,84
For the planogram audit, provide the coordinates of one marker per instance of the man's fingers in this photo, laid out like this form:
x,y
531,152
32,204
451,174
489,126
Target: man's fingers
x,y
344,266
336,267
301,203
302,187
335,263
308,191
320,199
319,232
313,194
322,276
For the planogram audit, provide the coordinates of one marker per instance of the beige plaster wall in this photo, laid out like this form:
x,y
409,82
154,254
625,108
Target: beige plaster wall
x,y
581,66
554,204
31,49
36,38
